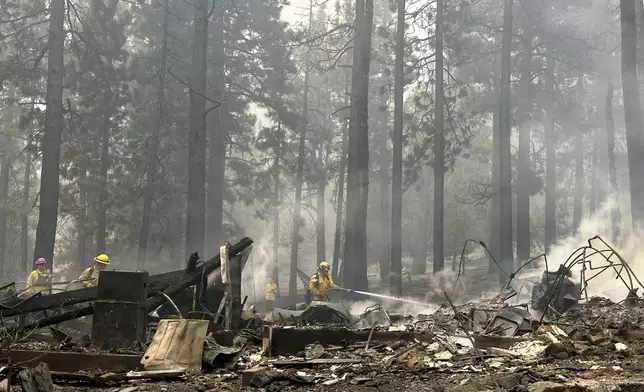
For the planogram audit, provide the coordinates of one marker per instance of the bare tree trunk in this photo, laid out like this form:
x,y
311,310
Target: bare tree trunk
x,y
101,219
355,265
276,211
50,168
639,22
337,240
301,151
594,182
195,229
632,110
25,262
5,171
439,147
150,184
419,265
579,157
524,164
615,214
219,123
385,226
320,205
81,224
495,207
506,255
551,160
397,175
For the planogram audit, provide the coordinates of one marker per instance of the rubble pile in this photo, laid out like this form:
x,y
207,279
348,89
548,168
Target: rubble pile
x,y
556,341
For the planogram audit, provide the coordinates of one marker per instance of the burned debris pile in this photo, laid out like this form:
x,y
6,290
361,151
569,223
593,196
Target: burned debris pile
x,y
545,331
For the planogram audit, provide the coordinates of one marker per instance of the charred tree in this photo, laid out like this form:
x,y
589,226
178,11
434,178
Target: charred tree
x,y
524,178
439,147
495,207
299,179
355,265
50,168
196,212
25,262
397,169
632,110
337,239
506,256
5,171
579,156
615,214
320,229
551,159
151,169
276,210
219,120
81,223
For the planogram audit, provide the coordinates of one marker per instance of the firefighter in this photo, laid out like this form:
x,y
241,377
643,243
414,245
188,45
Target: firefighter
x,y
39,279
320,282
270,293
89,277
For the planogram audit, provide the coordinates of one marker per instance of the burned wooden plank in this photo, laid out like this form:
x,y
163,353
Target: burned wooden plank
x,y
290,341
62,361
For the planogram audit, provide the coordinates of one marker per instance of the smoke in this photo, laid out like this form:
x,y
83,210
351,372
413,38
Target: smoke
x,y
607,283
258,268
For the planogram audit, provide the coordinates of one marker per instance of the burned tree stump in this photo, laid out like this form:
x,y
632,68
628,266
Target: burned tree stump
x,y
37,379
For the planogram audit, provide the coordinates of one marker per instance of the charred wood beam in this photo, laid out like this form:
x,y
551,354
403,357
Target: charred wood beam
x,y
71,361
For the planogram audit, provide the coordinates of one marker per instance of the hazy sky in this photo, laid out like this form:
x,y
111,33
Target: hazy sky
x,y
295,11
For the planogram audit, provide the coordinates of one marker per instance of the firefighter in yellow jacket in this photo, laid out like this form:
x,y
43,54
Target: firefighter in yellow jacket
x,y
39,279
320,282
89,277
270,293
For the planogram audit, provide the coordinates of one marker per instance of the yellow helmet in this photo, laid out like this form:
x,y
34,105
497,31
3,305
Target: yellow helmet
x,y
102,258
324,265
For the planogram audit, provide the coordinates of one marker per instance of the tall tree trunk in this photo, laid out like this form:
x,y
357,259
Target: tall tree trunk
x,y
506,256
150,184
495,207
276,209
439,147
320,223
337,240
5,171
355,271
301,151
81,224
579,157
196,223
385,226
524,164
594,182
219,122
551,159
632,112
25,262
101,219
397,174
639,22
419,265
615,214
50,168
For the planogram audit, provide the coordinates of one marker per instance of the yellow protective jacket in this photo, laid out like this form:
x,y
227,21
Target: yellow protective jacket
x,y
38,281
89,277
270,291
318,285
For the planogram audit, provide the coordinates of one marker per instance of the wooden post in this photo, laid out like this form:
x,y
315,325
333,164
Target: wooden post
x,y
233,289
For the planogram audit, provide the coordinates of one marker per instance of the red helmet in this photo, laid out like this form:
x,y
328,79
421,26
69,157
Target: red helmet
x,y
41,261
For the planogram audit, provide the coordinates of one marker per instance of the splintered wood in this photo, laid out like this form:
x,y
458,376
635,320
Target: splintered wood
x,y
177,345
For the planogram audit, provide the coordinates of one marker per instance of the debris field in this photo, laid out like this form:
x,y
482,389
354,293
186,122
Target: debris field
x,y
545,335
